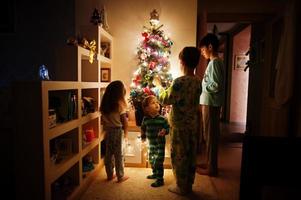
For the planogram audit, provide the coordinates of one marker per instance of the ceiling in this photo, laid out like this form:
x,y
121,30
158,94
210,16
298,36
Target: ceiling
x,y
221,27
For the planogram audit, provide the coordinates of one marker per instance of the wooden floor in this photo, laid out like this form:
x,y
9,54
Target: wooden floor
x,y
227,183
223,187
228,180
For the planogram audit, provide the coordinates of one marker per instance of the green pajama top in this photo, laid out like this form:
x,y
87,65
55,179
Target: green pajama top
x,y
184,96
152,126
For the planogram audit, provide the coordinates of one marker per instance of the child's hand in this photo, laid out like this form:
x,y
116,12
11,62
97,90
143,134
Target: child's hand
x,y
143,137
162,132
125,136
126,141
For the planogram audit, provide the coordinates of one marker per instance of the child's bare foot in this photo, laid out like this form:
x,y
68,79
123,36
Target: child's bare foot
x,y
175,189
122,179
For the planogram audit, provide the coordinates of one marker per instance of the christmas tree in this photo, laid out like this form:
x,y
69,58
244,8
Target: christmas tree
x,y
153,54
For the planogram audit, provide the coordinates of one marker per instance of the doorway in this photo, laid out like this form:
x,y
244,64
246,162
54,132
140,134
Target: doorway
x,y
238,85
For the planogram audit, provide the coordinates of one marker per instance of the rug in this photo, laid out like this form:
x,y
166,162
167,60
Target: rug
x,y
137,187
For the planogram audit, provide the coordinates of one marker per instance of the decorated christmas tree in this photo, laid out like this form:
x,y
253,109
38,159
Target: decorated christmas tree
x,y
153,55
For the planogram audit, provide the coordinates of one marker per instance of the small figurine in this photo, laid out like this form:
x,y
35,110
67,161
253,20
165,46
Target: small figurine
x,y
96,18
43,73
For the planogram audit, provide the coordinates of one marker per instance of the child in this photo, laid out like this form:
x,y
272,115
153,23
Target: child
x,y
113,110
211,99
183,95
154,127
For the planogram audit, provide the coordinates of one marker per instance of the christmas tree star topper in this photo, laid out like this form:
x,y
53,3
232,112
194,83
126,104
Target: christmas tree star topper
x,y
154,19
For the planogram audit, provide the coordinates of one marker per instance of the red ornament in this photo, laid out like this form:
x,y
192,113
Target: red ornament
x,y
152,65
138,77
145,34
147,91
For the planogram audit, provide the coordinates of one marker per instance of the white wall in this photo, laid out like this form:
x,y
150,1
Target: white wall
x,y
240,78
126,19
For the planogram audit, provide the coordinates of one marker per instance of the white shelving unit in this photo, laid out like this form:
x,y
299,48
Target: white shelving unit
x,y
50,159
104,45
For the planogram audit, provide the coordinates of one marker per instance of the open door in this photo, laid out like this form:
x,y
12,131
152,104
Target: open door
x,y
256,63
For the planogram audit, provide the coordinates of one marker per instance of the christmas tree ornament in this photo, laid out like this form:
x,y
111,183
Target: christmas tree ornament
x,y
154,18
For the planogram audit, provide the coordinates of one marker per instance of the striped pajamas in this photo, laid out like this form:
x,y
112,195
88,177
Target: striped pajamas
x,y
156,153
183,95
114,152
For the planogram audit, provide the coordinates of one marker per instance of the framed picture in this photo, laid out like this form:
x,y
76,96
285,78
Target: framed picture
x,y
105,74
241,61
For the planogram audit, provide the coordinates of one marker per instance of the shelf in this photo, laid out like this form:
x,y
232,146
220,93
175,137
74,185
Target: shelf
x,y
60,129
89,176
89,147
90,103
90,117
103,85
97,33
83,53
59,85
105,35
57,170
90,161
89,71
65,186
51,131
104,60
88,85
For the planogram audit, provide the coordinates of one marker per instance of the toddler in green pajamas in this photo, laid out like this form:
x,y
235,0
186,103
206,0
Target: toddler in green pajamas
x,y
154,127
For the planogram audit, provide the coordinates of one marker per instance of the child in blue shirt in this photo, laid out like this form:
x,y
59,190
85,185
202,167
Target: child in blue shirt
x,y
211,99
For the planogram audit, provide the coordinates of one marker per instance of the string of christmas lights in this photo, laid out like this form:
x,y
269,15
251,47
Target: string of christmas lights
x,y
153,55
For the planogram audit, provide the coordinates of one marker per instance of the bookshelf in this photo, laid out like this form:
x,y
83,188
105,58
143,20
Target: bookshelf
x,y
58,130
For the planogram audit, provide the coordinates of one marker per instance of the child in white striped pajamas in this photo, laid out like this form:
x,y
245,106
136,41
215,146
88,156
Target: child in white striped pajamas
x,y
113,110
